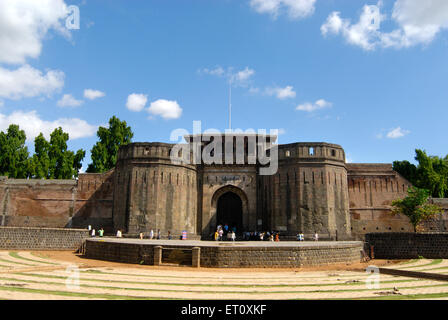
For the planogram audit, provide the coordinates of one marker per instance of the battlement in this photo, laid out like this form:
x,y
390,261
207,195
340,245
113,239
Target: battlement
x,y
311,151
145,150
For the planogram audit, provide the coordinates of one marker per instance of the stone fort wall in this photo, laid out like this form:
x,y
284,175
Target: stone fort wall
x,y
57,203
314,190
152,192
309,191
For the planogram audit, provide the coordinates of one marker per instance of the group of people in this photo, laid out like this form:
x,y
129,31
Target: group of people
x,y
158,235
223,232
261,236
301,237
119,234
93,232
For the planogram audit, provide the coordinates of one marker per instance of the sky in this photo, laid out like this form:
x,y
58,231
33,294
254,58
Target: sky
x,y
370,76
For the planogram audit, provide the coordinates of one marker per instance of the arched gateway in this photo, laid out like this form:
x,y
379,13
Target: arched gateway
x,y
231,207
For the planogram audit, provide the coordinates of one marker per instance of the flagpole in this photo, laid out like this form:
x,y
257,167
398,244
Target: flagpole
x,y
230,104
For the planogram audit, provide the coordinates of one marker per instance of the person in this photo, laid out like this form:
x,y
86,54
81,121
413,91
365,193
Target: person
x,y
261,235
226,228
316,236
220,233
271,237
141,235
119,234
101,232
93,232
233,236
151,234
158,234
277,238
229,236
169,235
216,236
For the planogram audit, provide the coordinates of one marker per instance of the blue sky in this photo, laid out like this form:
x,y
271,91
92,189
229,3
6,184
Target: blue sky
x,y
315,69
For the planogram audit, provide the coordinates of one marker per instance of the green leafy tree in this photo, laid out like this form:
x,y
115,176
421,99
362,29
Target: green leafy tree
x,y
431,173
104,152
14,154
41,158
415,206
53,160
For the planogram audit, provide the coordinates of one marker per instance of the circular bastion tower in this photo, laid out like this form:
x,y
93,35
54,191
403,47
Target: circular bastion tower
x,y
152,193
308,194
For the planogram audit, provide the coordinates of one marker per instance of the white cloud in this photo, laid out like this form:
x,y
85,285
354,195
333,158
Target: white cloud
x,y
24,24
68,100
33,125
281,131
237,78
281,93
242,77
254,90
217,71
310,107
296,9
397,133
93,94
418,22
2,103
27,82
166,109
136,102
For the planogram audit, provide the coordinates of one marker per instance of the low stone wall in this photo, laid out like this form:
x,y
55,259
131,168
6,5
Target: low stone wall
x,y
279,257
408,245
18,238
232,256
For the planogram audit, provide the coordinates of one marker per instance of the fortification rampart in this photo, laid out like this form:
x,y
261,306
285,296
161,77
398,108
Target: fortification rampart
x,y
152,192
57,203
372,188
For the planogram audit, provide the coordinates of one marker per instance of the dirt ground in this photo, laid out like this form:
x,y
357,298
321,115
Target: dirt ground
x,y
50,275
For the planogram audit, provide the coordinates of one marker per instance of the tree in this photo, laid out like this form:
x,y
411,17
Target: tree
x,y
415,206
104,152
431,173
41,159
14,154
53,160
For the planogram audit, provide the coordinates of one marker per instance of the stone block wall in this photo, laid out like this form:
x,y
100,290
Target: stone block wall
x,y
233,257
279,257
58,203
372,188
18,238
408,245
152,192
309,192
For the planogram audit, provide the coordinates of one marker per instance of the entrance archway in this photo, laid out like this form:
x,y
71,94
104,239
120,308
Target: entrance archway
x,y
237,209
230,211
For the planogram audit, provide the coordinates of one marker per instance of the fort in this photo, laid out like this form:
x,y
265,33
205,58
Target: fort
x,y
313,190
